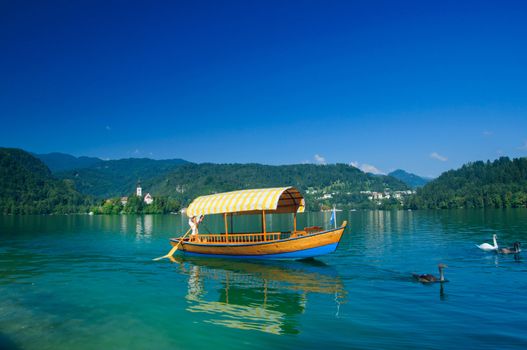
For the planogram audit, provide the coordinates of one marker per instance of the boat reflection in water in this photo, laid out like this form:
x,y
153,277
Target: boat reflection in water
x,y
263,296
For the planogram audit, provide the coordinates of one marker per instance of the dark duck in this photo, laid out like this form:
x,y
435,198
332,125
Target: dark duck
x,y
428,278
515,249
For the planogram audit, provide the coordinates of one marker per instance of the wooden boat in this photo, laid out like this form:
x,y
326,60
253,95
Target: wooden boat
x,y
295,244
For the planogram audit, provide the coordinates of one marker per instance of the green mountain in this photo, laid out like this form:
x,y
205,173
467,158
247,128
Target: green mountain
x,y
28,187
113,178
61,162
498,184
181,180
322,185
410,179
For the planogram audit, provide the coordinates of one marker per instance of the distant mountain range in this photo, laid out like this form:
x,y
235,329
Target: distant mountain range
x,y
27,185
61,162
184,180
412,180
99,179
105,178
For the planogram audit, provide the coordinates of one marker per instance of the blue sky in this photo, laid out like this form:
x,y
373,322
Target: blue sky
x,y
424,86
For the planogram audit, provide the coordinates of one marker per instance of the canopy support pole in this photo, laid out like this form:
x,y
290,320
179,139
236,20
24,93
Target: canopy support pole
x,y
294,222
226,227
264,229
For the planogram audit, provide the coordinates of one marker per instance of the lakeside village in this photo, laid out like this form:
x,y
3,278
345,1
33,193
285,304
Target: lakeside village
x,y
387,199
138,203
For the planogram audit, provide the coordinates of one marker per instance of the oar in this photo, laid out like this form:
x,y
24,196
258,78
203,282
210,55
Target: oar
x,y
173,250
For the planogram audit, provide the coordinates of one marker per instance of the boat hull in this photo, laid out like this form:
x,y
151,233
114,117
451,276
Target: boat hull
x,y
302,247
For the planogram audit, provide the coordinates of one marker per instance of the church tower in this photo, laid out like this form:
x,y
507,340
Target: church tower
x,y
139,190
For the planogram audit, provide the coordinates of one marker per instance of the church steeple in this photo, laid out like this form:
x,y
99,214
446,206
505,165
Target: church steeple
x,y
139,190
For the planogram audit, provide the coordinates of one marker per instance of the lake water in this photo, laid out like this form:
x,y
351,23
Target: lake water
x,y
88,282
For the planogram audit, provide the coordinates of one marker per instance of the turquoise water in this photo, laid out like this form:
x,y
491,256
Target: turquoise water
x,y
88,282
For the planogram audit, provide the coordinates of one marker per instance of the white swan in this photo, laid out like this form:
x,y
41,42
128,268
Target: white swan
x,y
487,247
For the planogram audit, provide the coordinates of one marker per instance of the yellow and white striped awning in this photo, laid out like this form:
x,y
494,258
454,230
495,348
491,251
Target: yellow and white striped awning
x,y
272,200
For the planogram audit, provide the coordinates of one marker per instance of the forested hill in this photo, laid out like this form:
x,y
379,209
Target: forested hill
x,y
113,178
27,187
342,182
498,184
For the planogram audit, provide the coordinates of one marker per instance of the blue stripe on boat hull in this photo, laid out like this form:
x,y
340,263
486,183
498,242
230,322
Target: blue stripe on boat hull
x,y
299,254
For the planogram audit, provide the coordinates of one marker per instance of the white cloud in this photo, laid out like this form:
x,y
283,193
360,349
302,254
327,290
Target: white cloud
x,y
367,168
437,156
319,159
524,147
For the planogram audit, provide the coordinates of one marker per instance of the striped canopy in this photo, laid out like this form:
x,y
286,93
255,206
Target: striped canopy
x,y
272,200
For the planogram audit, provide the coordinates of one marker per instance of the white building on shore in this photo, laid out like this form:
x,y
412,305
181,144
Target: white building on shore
x,y
148,199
